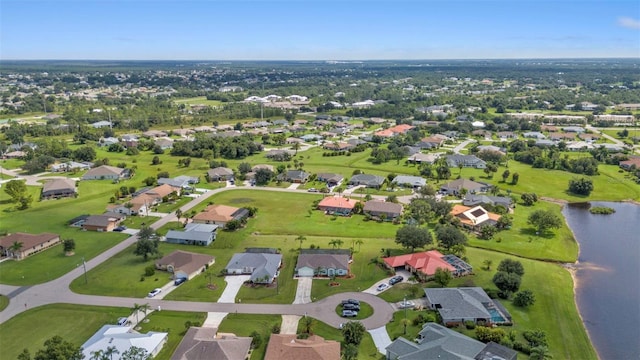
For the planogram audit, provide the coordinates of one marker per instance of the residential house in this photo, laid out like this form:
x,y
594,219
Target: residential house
x,y
474,217
129,140
262,166
424,264
179,182
220,174
491,148
330,179
290,347
580,146
220,215
193,234
456,160
123,338
200,343
323,262
70,166
457,305
108,141
101,124
504,135
431,142
371,181
420,158
439,342
58,188
574,129
545,143
164,143
394,130
105,222
31,244
589,137
337,205
459,186
338,146
382,209
139,205
409,181
263,267
534,135
311,137
474,200
154,133
295,176
561,136
106,172
633,161
184,265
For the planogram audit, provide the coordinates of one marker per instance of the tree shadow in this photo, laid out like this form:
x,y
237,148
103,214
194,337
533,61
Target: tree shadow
x,y
531,233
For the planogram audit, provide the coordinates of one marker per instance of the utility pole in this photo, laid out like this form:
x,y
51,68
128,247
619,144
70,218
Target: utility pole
x,y
84,266
404,304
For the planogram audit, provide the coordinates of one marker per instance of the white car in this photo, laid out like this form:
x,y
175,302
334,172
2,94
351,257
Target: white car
x,y
155,292
383,286
406,305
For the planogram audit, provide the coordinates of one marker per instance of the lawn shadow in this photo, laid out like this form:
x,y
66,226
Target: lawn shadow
x,y
532,234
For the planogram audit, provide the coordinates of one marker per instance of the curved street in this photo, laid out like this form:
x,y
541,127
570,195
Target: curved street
x,y
23,298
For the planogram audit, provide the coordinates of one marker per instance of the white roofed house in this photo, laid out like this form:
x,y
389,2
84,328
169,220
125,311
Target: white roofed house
x,y
123,339
409,181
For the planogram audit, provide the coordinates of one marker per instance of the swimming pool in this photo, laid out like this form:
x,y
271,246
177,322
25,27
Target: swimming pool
x,y
496,317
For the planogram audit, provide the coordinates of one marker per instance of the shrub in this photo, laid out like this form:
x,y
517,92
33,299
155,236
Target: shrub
x,y
524,298
522,347
149,270
470,324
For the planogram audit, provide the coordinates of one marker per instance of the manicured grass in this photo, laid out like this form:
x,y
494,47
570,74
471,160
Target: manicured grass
x,y
74,323
385,191
554,312
366,351
398,292
173,323
245,324
365,311
521,239
4,302
136,222
172,206
396,329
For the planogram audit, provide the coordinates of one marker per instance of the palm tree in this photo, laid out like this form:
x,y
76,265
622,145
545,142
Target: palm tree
x,y
178,214
487,264
15,248
110,351
144,308
307,323
359,242
333,243
540,353
97,355
338,242
136,308
296,147
301,238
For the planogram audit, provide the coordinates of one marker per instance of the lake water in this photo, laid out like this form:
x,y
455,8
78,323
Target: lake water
x,y
608,277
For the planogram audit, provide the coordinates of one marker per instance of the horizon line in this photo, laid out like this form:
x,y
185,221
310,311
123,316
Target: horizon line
x,y
342,60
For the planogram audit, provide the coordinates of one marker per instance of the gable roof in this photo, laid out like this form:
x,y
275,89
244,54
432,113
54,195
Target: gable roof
x,y
102,220
426,262
436,342
193,231
263,264
460,303
473,215
289,347
220,171
338,202
185,261
201,343
28,240
122,339
382,206
367,179
104,170
410,180
218,213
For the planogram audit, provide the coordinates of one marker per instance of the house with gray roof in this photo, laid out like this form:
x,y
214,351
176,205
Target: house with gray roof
x,y
323,263
193,234
438,342
457,305
372,181
220,174
330,178
377,208
71,166
106,172
409,181
263,267
455,187
58,188
204,343
295,176
182,181
534,135
456,160
184,264
475,200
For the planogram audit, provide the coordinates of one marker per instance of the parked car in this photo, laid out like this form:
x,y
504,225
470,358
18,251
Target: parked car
x,y
154,292
351,301
351,307
179,281
313,190
120,228
406,305
396,279
122,321
349,313
383,286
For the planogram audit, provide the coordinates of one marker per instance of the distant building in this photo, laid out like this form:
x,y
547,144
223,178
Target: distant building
x,y
58,188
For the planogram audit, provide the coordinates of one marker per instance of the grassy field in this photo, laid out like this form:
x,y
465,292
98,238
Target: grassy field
x,y
74,323
198,100
366,351
173,323
4,302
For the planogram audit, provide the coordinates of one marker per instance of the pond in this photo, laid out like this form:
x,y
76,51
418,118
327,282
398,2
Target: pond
x,y
608,276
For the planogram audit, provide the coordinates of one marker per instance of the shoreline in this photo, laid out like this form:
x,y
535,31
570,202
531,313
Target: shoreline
x,y
572,269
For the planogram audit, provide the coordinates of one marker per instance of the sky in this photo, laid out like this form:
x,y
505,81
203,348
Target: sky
x,y
318,30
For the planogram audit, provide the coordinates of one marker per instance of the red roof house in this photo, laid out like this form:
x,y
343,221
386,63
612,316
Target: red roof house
x,y
423,264
337,205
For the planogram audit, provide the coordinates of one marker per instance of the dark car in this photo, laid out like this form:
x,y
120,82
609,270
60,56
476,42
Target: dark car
x,y
120,228
351,307
179,281
349,313
396,279
351,301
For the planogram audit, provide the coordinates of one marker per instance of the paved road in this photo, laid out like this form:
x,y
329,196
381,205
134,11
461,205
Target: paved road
x,y
462,145
57,290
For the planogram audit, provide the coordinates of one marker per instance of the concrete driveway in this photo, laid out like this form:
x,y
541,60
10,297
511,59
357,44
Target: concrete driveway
x,y
380,338
290,324
233,286
303,291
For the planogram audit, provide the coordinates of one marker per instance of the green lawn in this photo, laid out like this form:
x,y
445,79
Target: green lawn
x,y
173,323
198,100
74,323
366,351
4,302
245,324
396,328
398,292
521,239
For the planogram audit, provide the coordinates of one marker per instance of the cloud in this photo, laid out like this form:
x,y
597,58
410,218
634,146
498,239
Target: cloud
x,y
629,23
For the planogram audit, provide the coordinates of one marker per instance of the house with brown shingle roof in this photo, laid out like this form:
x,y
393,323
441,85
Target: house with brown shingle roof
x,y
289,347
627,164
184,264
31,244
59,188
220,215
105,172
105,222
379,208
201,343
